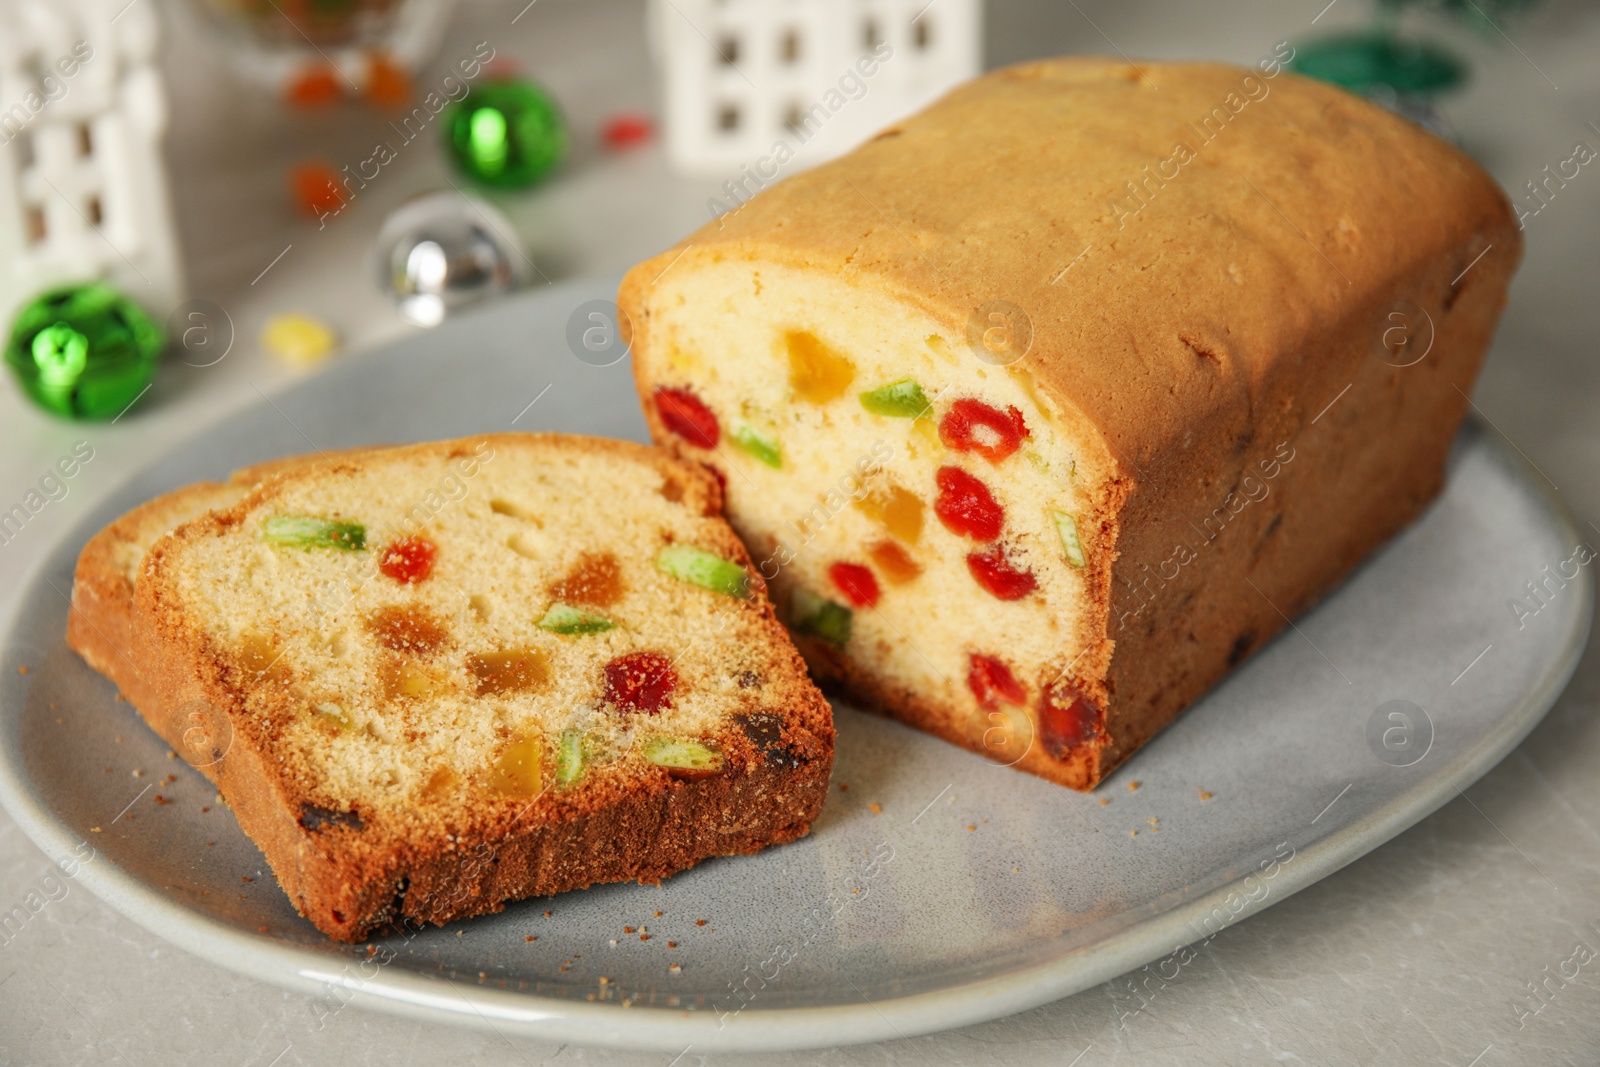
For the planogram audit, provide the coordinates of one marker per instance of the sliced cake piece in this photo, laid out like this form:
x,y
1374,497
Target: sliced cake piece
x,y
100,621
1046,407
432,679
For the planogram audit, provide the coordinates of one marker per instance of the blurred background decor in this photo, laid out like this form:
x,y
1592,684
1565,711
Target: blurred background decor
x,y
742,77
1404,73
313,52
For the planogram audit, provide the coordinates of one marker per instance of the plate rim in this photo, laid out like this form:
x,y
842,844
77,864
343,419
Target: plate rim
x,y
414,995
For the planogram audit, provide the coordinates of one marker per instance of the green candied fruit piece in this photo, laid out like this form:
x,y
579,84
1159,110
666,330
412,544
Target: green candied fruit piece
x,y
903,399
752,442
1067,527
572,757
302,531
683,758
699,567
821,618
566,619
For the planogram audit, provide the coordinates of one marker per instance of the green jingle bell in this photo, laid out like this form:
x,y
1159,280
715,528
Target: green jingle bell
x,y
83,351
506,133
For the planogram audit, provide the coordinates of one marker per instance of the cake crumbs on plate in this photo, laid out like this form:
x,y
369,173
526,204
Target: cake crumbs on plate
x,y
672,944
1104,801
530,937
171,754
1205,794
1133,833
844,787
875,808
675,968
972,826
644,937
658,914
699,922
627,929
547,915
1133,786
612,942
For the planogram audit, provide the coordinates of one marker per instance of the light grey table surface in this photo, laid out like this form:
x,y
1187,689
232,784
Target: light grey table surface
x,y
1425,951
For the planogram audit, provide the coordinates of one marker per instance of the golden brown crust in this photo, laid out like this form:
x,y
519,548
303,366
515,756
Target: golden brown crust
x,y
1210,315
100,621
348,874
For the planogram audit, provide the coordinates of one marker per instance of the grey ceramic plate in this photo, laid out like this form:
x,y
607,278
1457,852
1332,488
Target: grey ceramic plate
x,y
939,889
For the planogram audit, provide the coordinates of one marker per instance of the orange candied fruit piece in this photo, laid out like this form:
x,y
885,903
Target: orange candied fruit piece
x,y
895,562
898,509
816,372
388,84
314,87
515,670
316,189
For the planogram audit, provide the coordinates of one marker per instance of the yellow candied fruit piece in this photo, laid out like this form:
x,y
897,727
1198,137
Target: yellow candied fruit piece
x,y
898,509
518,770
259,658
403,678
816,372
1024,379
925,432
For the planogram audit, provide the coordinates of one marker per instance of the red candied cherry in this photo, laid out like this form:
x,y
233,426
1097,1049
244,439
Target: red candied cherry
x,y
966,506
687,416
991,681
973,426
1067,718
640,681
409,560
993,570
856,582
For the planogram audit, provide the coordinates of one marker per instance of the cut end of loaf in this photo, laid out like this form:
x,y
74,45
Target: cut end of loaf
x,y
935,531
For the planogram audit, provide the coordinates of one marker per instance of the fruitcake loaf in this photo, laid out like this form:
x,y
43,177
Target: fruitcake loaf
x,y
435,678
1142,371
100,620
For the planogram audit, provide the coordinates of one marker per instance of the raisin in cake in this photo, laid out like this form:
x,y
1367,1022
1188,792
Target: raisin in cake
x,y
432,679
1046,407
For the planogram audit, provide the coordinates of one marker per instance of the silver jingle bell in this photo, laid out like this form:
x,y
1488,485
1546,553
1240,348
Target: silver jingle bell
x,y
445,250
